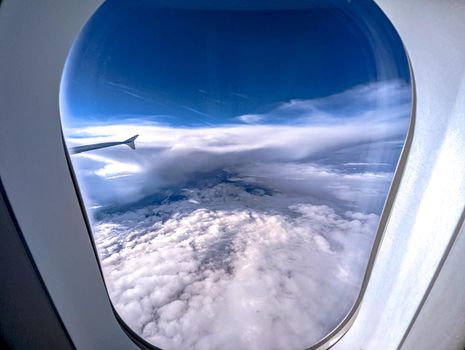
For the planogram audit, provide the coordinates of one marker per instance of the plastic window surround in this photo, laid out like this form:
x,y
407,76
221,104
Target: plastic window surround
x,y
73,29
335,335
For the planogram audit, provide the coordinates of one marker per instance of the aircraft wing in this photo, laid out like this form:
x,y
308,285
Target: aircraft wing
x,y
79,149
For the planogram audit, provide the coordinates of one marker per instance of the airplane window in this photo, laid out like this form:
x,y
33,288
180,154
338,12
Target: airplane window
x,y
234,162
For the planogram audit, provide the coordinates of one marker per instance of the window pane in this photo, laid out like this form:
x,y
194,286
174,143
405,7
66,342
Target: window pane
x,y
264,141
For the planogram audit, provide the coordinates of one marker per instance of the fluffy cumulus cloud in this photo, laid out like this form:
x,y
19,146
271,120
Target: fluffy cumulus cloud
x,y
231,274
252,234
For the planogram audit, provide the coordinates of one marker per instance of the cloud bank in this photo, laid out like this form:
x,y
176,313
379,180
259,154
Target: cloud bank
x,y
372,132
208,276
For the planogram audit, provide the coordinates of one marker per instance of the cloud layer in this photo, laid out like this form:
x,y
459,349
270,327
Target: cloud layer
x,y
371,132
196,275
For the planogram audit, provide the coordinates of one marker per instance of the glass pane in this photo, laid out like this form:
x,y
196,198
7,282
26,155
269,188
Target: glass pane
x,y
264,141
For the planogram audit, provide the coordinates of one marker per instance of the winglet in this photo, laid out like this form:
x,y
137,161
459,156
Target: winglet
x,y
130,142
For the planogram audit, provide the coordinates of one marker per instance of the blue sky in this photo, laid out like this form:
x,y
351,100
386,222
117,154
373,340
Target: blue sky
x,y
189,67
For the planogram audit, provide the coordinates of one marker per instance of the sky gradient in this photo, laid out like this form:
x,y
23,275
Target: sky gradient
x,y
198,67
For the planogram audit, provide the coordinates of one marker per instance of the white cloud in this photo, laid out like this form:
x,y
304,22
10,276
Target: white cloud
x,y
325,185
167,156
250,118
111,168
385,100
224,278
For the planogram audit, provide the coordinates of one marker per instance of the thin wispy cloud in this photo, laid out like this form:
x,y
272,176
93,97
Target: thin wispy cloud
x,y
386,100
251,118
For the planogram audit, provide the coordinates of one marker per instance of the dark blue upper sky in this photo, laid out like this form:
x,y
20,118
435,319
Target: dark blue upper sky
x,y
191,67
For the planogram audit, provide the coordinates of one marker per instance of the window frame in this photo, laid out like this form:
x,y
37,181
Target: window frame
x,y
40,229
